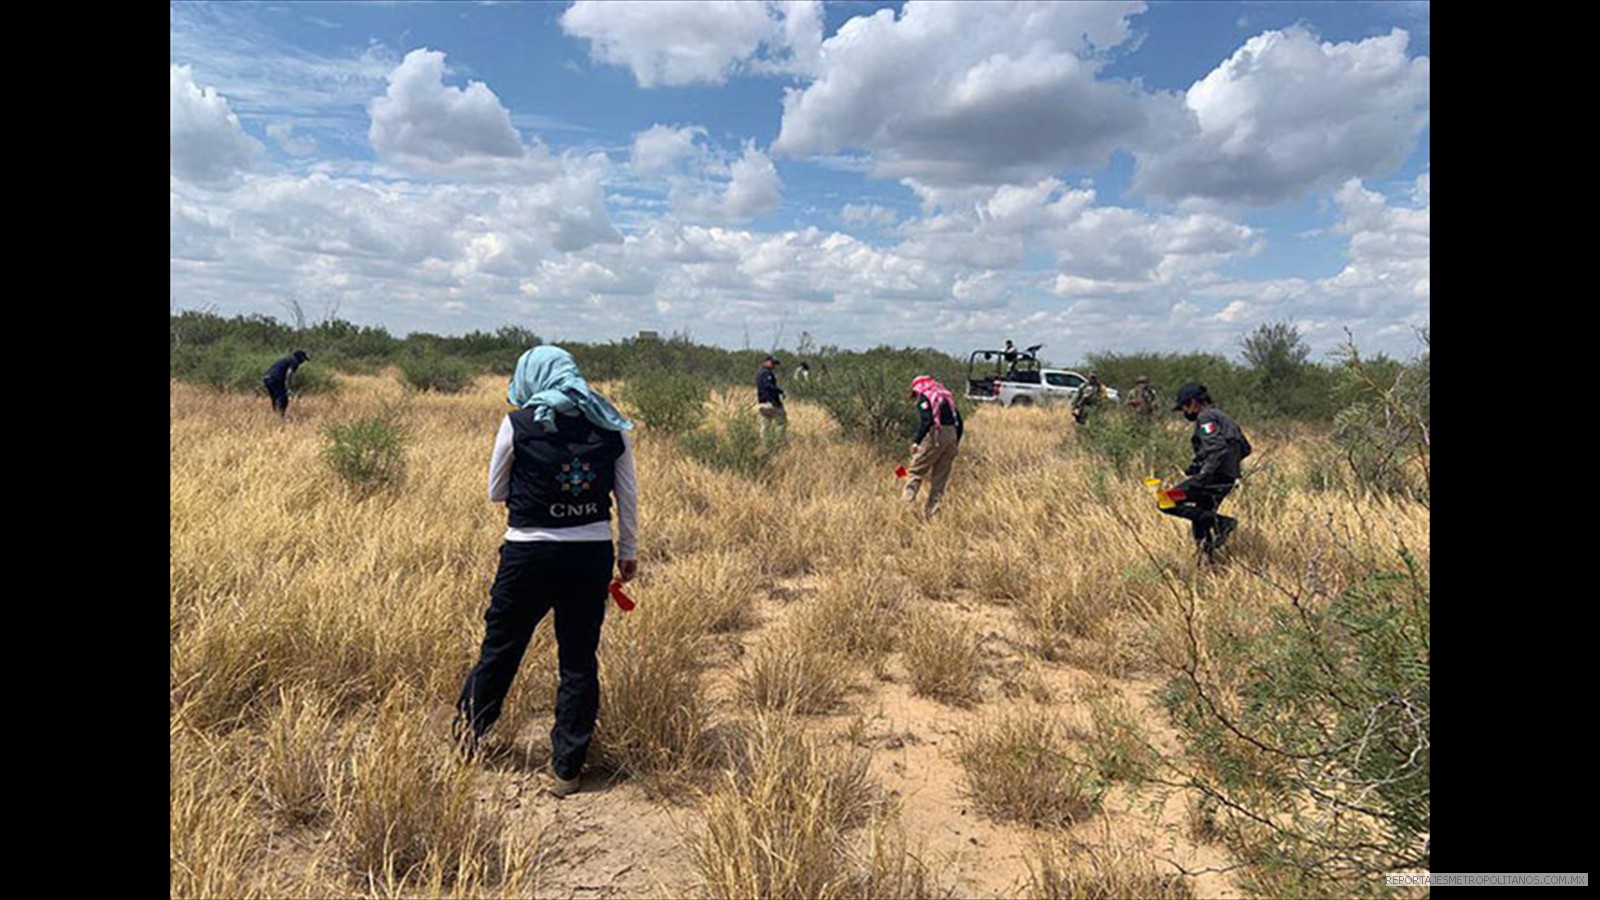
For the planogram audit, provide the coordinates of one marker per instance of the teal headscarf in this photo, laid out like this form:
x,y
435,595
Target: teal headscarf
x,y
547,381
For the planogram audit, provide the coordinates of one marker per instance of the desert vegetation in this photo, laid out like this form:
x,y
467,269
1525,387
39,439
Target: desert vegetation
x,y
1041,692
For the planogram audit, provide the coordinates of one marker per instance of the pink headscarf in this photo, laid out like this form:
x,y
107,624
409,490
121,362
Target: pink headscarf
x,y
935,393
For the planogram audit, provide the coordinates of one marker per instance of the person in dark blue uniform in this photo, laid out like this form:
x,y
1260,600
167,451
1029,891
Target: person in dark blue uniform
x,y
558,461
277,380
1219,445
769,397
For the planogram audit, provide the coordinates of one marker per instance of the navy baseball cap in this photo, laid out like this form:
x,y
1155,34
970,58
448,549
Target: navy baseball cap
x,y
1191,390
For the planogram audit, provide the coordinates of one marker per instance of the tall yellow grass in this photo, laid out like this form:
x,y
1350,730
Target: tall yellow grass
x,y
319,636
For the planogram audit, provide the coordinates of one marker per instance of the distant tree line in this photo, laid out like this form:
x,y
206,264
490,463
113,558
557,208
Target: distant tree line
x,y
1275,379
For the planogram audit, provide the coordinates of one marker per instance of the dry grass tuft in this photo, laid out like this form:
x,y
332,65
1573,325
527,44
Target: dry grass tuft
x,y
715,590
297,772
1119,749
794,670
778,822
653,709
406,807
860,611
213,839
1062,869
1018,768
941,657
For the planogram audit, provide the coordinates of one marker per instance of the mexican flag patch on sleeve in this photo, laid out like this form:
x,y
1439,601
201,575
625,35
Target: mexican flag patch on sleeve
x,y
1209,427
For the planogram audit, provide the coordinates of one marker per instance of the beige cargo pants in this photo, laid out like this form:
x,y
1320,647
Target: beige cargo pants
x,y
773,414
934,457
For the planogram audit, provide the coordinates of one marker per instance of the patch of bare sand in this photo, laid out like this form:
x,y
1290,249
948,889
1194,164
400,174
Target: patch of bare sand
x,y
609,840
615,840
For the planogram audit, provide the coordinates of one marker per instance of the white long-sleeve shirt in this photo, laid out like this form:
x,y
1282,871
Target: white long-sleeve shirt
x,y
625,489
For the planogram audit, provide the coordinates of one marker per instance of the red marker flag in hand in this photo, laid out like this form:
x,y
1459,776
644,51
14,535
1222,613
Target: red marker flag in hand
x,y
622,599
899,471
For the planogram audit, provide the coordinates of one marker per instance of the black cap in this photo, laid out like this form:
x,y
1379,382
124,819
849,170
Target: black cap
x,y
301,355
1191,390
772,359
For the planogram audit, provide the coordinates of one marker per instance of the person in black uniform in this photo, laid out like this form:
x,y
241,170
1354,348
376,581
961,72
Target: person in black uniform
x,y
1219,445
277,380
769,397
558,460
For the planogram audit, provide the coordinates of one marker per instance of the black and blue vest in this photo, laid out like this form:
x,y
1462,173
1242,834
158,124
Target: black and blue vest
x,y
561,478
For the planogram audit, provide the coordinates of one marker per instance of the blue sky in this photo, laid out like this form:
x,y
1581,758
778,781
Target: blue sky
x,y
1120,176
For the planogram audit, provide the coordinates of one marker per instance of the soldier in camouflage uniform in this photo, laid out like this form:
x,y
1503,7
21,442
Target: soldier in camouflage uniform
x,y
1143,401
1088,396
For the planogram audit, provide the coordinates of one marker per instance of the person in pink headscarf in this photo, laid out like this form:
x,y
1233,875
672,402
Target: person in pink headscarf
x,y
933,450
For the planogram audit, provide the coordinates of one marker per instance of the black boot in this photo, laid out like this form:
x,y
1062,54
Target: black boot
x,y
1225,527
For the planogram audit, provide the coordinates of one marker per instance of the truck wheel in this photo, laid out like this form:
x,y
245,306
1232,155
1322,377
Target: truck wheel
x,y
1022,401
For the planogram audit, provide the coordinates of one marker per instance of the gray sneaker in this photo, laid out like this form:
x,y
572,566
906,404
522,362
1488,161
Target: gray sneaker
x,y
562,787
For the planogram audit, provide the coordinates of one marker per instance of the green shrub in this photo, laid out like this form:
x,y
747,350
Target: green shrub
x,y
229,367
219,366
1384,430
671,403
367,453
309,379
1131,444
740,448
1314,732
869,401
429,371
1285,382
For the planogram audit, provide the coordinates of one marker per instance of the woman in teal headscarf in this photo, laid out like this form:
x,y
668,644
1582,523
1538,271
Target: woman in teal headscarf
x,y
558,460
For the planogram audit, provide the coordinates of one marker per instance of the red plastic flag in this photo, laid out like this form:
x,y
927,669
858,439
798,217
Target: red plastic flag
x,y
899,471
622,599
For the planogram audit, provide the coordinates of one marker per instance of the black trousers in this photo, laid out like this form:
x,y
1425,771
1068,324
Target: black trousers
x,y
1200,508
535,577
279,392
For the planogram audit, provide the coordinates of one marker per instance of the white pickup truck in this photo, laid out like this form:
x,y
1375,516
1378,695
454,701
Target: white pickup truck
x,y
1016,379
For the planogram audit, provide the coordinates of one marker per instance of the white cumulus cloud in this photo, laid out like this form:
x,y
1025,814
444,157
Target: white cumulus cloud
x,y
1287,113
754,188
209,147
969,93
660,148
1382,292
703,184
1389,245
679,42
387,251
420,118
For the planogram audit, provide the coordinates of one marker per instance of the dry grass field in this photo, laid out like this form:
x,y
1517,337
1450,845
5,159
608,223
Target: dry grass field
x,y
819,694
